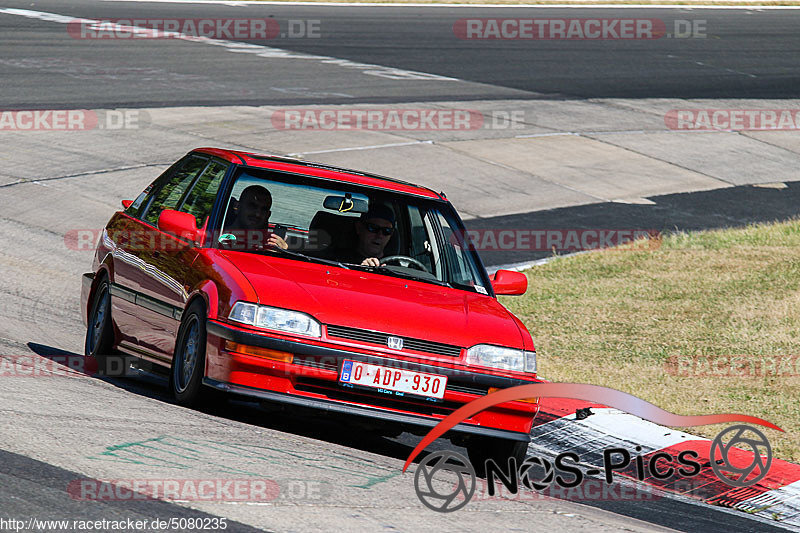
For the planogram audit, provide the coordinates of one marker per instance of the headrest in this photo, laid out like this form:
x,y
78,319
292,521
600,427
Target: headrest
x,y
330,230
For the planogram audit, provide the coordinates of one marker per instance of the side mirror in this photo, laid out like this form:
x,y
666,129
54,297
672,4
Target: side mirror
x,y
126,203
181,224
509,282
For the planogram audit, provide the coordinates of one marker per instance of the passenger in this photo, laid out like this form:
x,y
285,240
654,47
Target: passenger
x,y
252,218
373,231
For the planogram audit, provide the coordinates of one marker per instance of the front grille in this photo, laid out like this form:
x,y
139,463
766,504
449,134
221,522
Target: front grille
x,y
331,363
376,337
469,389
334,392
327,363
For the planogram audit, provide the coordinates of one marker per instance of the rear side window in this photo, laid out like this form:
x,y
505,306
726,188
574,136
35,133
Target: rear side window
x,y
170,193
201,198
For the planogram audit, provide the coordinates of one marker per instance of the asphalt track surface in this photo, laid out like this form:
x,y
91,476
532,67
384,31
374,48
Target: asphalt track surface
x,y
744,54
32,487
747,54
716,209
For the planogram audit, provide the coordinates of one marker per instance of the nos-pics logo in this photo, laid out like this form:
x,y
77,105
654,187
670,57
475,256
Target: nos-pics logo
x,y
445,481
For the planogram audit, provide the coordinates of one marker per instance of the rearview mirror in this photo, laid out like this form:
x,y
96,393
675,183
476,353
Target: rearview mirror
x,y
181,224
345,204
126,203
509,282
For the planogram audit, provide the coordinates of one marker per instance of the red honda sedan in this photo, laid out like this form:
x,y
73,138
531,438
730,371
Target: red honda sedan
x,y
295,282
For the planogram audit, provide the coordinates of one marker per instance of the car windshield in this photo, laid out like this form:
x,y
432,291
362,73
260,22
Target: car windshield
x,y
350,226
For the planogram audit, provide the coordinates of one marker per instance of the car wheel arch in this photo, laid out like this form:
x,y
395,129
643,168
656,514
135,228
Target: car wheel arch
x,y
107,264
207,292
101,274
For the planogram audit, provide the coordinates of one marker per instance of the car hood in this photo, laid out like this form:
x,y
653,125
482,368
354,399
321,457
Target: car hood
x,y
378,302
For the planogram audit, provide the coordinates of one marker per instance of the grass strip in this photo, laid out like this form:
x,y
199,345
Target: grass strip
x,y
651,321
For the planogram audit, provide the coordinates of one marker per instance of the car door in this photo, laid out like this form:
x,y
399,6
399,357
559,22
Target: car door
x,y
168,264
126,236
148,327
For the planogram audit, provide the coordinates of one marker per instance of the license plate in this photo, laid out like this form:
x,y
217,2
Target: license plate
x,y
398,381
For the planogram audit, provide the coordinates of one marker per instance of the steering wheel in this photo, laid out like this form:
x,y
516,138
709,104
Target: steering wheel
x,y
411,260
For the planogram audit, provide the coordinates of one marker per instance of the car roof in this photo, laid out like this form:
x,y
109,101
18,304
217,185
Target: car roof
x,y
321,170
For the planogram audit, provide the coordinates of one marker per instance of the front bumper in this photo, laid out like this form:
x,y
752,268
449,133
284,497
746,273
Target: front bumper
x,y
311,380
360,410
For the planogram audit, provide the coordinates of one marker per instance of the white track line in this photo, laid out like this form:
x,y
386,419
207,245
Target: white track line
x,y
525,265
355,148
783,503
576,5
608,427
239,47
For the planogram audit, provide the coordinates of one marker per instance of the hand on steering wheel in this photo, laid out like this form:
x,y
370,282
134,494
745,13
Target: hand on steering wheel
x,y
399,258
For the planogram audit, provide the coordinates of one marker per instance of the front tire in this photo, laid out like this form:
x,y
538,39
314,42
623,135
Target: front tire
x,y
100,330
189,359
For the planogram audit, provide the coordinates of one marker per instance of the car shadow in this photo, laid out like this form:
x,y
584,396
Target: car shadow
x,y
727,208
652,508
335,428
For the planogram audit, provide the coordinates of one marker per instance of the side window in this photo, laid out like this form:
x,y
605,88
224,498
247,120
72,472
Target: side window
x,y
420,245
134,208
140,204
437,254
170,193
462,269
201,198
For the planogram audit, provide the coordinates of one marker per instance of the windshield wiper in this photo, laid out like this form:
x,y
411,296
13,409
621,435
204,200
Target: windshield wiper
x,y
404,275
466,287
306,257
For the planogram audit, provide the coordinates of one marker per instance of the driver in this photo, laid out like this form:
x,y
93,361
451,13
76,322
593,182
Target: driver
x,y
252,216
373,231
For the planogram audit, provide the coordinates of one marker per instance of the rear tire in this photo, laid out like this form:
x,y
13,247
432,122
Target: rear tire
x,y
189,359
481,449
100,330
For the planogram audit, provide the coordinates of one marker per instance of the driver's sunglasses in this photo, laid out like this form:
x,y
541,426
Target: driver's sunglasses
x,y
374,228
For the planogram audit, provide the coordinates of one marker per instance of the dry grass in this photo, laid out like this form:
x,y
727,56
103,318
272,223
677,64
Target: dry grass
x,y
614,318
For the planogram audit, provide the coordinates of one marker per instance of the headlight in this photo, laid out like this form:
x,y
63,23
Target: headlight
x,y
263,316
502,358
